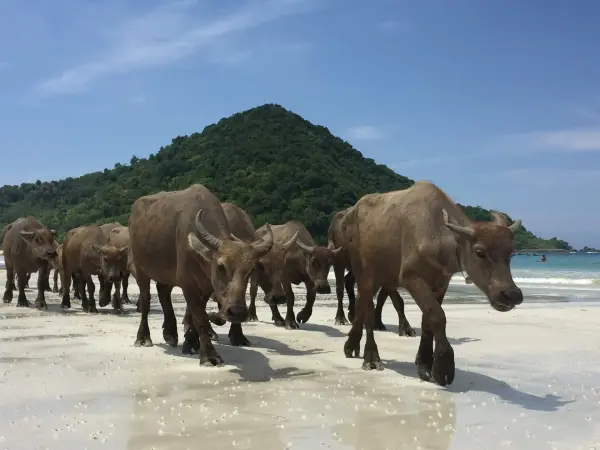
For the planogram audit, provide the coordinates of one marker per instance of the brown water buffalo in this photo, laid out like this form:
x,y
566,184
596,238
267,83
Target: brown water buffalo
x,y
86,252
106,229
417,239
267,274
341,263
306,263
181,238
28,246
119,237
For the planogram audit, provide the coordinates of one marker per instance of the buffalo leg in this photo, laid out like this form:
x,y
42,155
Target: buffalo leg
x,y
170,322
276,316
81,288
340,317
365,316
43,276
55,279
381,298
116,301
10,283
143,335
196,303
27,277
439,363
47,280
404,328
105,288
191,339
22,298
252,317
125,285
311,295
349,281
236,336
67,279
76,286
290,319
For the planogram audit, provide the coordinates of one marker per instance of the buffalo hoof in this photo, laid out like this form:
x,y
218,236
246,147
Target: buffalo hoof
x,y
237,339
279,322
144,342
340,319
188,348
443,366
55,290
252,317
170,338
41,306
372,360
304,315
352,347
65,304
126,300
103,302
407,330
291,324
379,326
7,298
214,359
23,304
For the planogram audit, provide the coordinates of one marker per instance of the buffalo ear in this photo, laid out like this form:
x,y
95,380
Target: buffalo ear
x,y
53,231
195,244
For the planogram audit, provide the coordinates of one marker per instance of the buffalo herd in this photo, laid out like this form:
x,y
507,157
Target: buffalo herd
x,y
414,239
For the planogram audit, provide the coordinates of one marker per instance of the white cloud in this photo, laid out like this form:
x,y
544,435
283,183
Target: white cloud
x,y
365,132
162,36
567,140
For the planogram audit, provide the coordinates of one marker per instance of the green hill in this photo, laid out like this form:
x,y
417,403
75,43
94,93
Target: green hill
x,y
268,160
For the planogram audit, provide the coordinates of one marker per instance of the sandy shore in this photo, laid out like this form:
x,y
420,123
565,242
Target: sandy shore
x,y
528,379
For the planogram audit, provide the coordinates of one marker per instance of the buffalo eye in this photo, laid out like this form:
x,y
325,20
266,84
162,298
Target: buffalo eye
x,y
480,253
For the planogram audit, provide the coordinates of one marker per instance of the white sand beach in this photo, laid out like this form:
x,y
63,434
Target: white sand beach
x,y
527,379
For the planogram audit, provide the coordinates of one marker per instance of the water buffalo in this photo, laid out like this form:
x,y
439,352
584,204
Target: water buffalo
x,y
182,238
86,252
417,239
28,246
119,237
267,274
342,263
307,263
106,229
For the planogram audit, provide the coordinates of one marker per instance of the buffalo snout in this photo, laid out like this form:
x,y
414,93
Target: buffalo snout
x,y
512,296
323,288
50,254
114,278
237,313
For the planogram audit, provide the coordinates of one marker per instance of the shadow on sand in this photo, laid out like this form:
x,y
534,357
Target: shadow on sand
x,y
250,364
467,381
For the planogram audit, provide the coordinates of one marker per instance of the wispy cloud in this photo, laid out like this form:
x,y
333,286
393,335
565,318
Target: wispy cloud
x,y
365,132
545,178
584,139
587,112
233,58
162,36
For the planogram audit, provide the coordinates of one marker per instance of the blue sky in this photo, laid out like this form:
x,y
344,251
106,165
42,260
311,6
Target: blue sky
x,y
497,102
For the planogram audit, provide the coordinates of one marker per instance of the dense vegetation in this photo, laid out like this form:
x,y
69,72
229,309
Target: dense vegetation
x,y
267,160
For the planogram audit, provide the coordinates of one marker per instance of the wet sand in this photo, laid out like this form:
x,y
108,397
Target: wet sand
x,y
527,379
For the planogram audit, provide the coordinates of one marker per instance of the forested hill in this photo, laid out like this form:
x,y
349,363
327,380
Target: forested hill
x,y
267,160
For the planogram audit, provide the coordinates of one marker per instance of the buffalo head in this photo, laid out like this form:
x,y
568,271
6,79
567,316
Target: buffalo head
x,y
268,270
487,249
113,260
42,243
231,263
318,260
